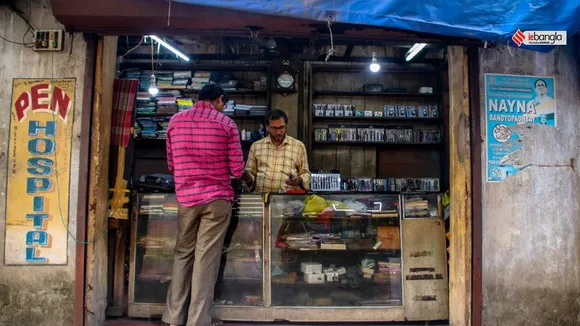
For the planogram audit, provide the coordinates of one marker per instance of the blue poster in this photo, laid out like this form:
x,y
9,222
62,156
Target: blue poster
x,y
512,100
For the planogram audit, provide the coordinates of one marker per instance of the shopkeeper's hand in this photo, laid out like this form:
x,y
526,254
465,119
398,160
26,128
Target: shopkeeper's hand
x,y
247,177
293,181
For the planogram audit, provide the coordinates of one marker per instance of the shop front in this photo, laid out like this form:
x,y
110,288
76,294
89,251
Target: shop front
x,y
385,243
367,242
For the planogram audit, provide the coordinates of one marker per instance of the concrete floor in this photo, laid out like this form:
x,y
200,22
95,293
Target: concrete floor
x,y
139,322
142,322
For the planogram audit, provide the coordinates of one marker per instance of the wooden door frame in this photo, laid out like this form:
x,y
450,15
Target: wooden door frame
x,y
90,287
461,123
465,287
85,136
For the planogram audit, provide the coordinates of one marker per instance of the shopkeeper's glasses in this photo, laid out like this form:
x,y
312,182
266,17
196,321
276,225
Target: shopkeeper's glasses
x,y
281,128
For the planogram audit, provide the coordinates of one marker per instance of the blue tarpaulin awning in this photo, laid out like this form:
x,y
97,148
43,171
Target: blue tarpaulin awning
x,y
493,21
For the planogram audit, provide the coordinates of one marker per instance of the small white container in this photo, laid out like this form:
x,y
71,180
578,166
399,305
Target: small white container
x,y
311,268
314,278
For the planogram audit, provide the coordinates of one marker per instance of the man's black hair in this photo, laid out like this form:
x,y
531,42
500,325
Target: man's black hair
x,y
275,115
211,92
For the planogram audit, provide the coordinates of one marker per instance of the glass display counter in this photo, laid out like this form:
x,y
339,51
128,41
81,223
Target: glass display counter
x,y
154,232
307,258
341,250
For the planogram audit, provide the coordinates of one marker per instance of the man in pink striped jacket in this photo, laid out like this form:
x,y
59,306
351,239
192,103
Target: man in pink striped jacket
x,y
203,151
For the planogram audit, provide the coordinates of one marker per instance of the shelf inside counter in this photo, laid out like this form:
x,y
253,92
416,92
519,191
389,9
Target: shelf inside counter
x,y
155,232
358,255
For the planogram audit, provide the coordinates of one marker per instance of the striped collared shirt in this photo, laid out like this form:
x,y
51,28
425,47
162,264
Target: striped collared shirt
x,y
203,151
270,164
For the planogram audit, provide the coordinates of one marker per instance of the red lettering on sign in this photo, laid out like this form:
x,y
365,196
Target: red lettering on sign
x,y
22,105
39,98
60,102
39,93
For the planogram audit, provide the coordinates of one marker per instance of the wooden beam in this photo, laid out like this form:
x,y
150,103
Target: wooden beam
x,y
460,176
348,51
97,226
79,287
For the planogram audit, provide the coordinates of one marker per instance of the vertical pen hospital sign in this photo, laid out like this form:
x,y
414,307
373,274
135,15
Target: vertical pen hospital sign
x,y
37,191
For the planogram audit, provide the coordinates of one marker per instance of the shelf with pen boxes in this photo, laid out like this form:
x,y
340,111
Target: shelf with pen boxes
x,y
378,125
155,232
387,128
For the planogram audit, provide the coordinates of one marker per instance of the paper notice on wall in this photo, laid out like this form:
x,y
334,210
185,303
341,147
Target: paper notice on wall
x,y
512,100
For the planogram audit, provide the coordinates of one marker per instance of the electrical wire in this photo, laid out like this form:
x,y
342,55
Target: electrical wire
x,y
26,44
331,51
135,47
30,29
152,61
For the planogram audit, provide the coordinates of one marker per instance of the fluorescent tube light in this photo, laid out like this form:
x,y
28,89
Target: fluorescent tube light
x,y
416,48
169,47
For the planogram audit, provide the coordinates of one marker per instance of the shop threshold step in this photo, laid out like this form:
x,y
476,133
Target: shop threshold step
x,y
148,322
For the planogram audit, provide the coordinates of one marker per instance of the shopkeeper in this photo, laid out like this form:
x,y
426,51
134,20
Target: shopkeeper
x,y
278,161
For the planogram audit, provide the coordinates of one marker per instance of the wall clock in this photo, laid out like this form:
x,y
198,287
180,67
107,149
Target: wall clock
x,y
285,80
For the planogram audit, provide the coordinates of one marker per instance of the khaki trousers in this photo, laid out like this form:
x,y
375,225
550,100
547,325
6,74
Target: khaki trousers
x,y
200,239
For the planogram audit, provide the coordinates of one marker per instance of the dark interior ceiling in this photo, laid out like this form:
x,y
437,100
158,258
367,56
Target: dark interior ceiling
x,y
135,49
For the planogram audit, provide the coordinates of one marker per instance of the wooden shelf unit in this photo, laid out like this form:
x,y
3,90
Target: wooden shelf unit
x,y
343,83
153,150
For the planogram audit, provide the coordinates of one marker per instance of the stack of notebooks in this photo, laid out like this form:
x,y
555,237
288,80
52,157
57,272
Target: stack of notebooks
x,y
170,208
181,78
229,111
147,127
166,105
416,207
164,79
184,104
145,105
133,74
301,241
252,110
388,272
200,79
163,123
389,213
258,110
144,80
152,209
